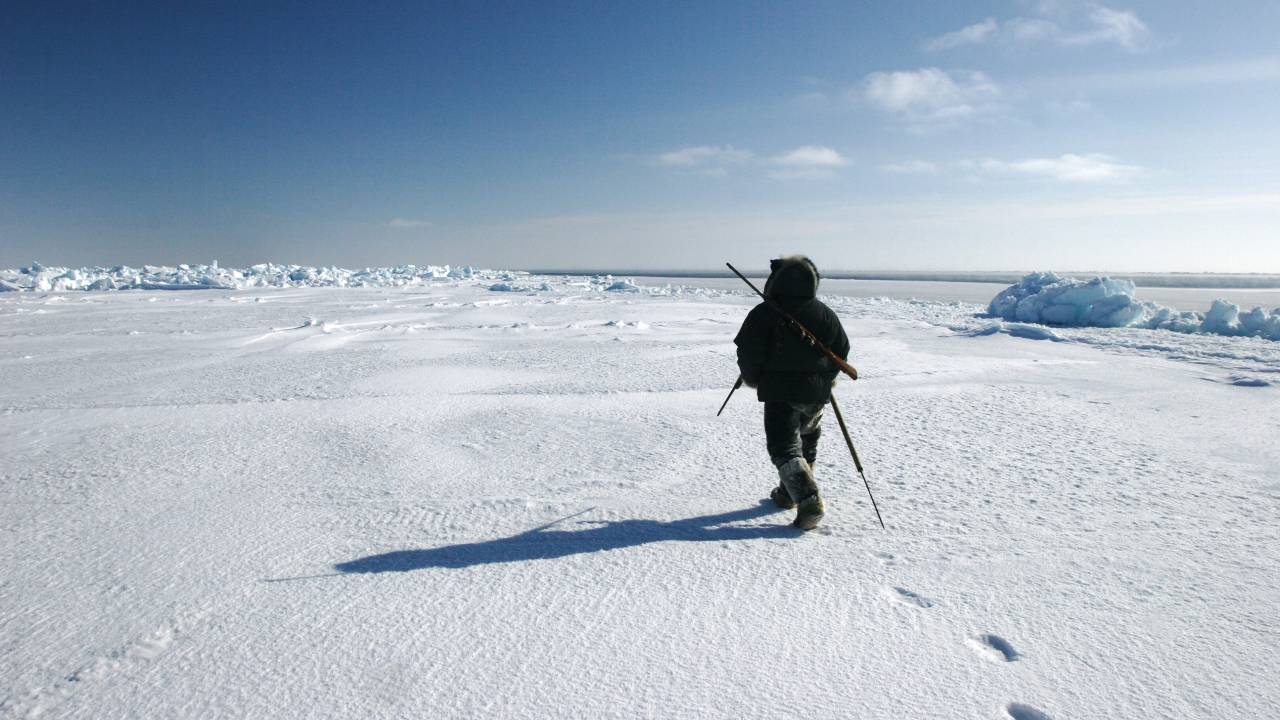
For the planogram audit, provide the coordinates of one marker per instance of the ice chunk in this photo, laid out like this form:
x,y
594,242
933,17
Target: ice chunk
x,y
510,287
1031,332
1051,299
1047,298
1016,329
1221,318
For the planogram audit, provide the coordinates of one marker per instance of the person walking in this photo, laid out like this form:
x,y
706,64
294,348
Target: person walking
x,y
793,379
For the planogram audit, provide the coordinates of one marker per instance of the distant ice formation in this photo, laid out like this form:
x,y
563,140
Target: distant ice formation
x,y
39,278
598,284
1050,299
508,286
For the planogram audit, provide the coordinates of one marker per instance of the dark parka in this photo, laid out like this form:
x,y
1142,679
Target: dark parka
x,y
774,358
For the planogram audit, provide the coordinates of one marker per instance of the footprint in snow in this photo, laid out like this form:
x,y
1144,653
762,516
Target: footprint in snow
x,y
911,598
995,648
1021,711
884,557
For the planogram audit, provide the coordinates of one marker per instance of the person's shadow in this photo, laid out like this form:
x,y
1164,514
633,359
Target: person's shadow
x,y
543,543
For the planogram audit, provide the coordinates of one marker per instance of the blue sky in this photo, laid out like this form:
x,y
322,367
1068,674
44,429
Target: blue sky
x,y
912,135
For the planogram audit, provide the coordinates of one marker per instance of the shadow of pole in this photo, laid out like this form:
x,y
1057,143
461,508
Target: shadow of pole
x,y
544,544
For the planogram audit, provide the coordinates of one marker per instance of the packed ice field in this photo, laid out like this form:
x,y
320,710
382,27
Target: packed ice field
x,y
449,492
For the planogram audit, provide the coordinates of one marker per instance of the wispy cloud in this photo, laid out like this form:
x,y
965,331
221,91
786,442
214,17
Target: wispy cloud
x,y
1121,27
1071,168
931,96
1071,24
407,223
975,34
911,167
703,156
806,161
1067,168
810,156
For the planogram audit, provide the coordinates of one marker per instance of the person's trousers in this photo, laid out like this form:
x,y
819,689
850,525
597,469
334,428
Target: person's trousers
x,y
792,430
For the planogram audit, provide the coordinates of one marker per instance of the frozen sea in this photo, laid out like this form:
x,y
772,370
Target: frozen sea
x,y
441,500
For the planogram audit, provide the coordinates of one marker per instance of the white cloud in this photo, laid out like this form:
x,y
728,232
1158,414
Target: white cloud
x,y
407,223
811,156
703,156
1121,27
1074,24
975,34
930,95
1029,30
808,162
911,167
1093,167
1069,168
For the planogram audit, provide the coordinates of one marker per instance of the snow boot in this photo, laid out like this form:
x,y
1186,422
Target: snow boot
x,y
781,498
797,478
809,512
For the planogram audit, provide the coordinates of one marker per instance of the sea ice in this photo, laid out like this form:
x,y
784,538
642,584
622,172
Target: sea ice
x,y
384,502
1050,299
39,278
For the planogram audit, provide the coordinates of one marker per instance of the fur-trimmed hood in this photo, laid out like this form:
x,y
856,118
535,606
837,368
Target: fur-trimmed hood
x,y
793,276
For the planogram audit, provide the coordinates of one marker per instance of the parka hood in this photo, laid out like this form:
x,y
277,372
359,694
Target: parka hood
x,y
793,276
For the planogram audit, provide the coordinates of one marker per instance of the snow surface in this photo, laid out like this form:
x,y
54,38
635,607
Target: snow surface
x,y
437,500
1051,299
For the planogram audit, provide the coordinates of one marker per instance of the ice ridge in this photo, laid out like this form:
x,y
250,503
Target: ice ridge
x,y
1047,298
37,277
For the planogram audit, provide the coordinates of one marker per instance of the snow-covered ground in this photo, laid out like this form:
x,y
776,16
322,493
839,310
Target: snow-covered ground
x,y
442,500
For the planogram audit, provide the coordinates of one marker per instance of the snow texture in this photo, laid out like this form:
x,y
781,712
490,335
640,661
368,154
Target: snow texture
x,y
1051,299
433,500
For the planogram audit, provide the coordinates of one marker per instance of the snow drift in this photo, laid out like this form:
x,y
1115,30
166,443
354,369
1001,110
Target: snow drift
x,y
1047,298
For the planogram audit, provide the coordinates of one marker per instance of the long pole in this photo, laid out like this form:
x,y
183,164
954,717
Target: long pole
x,y
856,462
731,392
